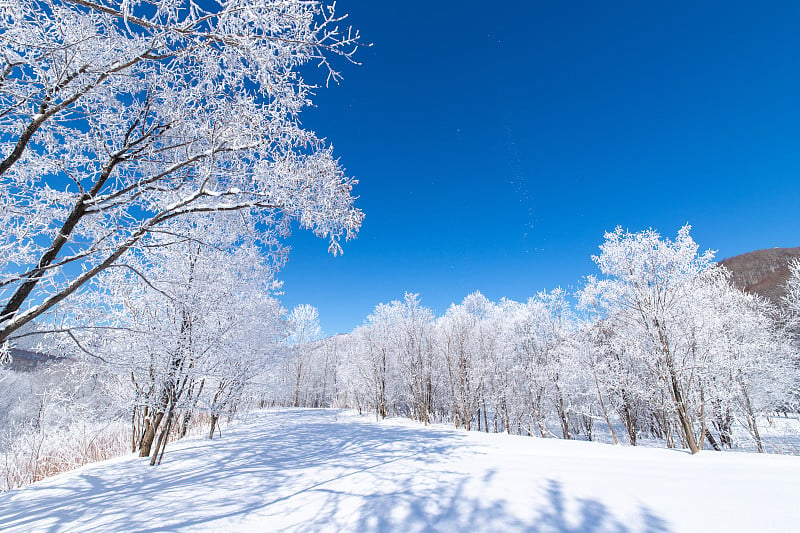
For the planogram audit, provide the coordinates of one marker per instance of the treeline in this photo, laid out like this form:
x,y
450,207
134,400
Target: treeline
x,y
659,345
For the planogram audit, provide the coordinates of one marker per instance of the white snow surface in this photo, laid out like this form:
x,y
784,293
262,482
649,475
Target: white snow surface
x,y
329,470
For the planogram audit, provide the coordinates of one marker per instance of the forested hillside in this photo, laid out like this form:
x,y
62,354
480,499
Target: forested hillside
x,y
763,272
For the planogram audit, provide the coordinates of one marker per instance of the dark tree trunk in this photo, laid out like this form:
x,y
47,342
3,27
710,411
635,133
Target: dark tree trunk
x,y
149,434
712,440
213,426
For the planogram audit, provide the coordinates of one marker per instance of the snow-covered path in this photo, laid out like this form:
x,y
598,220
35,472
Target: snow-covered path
x,y
324,470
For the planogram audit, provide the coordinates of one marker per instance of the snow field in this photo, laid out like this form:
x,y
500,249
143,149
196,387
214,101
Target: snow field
x,y
328,470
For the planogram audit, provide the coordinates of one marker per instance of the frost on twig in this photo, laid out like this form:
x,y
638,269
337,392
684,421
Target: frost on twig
x,y
5,353
119,116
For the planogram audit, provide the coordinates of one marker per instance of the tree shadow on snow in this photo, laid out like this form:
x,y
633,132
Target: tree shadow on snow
x,y
283,462
450,508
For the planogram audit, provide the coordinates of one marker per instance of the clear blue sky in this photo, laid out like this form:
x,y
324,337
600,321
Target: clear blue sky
x,y
495,144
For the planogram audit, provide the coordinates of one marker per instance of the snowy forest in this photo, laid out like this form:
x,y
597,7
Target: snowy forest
x,y
153,167
153,164
658,346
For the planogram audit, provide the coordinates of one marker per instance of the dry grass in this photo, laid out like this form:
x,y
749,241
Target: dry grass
x,y
33,455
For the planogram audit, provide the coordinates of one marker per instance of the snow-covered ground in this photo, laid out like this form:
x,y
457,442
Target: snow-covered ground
x,y
327,470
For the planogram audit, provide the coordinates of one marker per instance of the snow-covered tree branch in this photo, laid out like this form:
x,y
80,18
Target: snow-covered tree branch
x,y
117,116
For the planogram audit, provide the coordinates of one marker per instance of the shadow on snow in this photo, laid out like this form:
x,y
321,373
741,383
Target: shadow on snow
x,y
285,462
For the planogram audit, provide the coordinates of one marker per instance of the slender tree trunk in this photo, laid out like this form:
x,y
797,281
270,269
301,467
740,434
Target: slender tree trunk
x,y
323,401
722,421
187,417
603,407
588,424
751,419
703,426
383,410
297,383
680,402
136,428
162,439
711,440
628,420
536,400
506,419
667,429
562,414
214,418
683,415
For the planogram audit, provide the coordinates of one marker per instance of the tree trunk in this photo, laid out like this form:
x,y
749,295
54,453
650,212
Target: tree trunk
x,y
683,415
751,420
588,424
711,440
603,407
213,426
680,402
149,434
162,439
722,422
136,428
628,418
562,414
297,384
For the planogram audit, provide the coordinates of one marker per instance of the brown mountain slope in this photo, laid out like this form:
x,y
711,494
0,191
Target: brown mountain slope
x,y
763,272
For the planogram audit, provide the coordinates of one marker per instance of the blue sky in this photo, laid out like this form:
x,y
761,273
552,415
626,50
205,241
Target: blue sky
x,y
495,144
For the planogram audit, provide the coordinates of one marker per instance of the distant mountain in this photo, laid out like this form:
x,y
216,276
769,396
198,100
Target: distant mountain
x,y
27,361
763,272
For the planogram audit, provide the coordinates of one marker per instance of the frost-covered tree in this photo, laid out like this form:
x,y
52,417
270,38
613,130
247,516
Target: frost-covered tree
x,y
464,344
364,367
304,329
58,416
646,291
117,117
668,348
185,333
679,342
387,365
249,347
322,376
750,363
413,338
538,337
792,295
620,379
